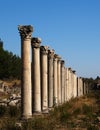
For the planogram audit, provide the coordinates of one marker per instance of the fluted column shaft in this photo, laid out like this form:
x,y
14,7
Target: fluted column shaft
x,y
55,80
65,92
50,78
69,83
62,81
26,102
44,77
59,80
80,87
36,88
74,85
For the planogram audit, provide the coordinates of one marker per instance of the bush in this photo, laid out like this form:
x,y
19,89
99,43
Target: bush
x,y
14,111
3,110
86,109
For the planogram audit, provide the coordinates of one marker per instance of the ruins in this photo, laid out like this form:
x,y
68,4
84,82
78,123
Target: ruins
x,y
45,81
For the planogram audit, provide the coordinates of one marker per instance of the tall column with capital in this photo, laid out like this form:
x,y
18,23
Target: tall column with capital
x,y
50,78
59,79
62,81
69,83
65,91
26,102
80,89
74,84
55,80
44,77
36,88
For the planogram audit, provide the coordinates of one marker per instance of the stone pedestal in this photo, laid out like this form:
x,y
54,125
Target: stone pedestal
x,y
36,88
55,80
50,78
44,77
26,102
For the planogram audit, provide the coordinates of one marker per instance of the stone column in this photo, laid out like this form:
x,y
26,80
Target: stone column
x,y
69,92
79,83
50,78
59,80
65,92
77,86
44,77
55,80
36,93
26,102
74,84
83,87
67,84
62,81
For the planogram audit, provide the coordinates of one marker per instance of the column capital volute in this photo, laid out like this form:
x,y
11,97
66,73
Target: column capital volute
x,y
74,71
80,78
35,42
59,59
25,31
44,49
55,57
70,69
62,62
51,54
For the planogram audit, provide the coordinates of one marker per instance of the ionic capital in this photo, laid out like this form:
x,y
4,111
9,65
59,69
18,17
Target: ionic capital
x,y
51,54
35,42
25,31
44,49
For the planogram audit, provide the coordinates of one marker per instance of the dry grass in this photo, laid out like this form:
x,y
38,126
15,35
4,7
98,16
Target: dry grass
x,y
77,114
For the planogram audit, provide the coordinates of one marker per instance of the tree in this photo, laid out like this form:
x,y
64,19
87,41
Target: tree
x,y
10,65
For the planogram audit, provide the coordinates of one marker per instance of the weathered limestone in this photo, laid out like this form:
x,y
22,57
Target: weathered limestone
x,y
80,86
65,92
59,79
55,80
50,78
75,84
69,96
67,84
36,87
44,77
26,103
62,81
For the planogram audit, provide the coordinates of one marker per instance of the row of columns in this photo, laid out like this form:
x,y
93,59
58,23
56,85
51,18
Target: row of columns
x,y
46,82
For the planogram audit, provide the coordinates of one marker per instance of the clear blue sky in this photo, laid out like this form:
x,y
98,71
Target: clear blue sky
x,y
70,27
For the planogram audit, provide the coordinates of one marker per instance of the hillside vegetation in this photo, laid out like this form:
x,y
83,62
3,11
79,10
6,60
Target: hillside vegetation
x,y
78,114
10,65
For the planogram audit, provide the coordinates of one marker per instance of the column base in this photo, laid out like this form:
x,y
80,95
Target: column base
x,y
46,111
51,108
26,117
37,113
